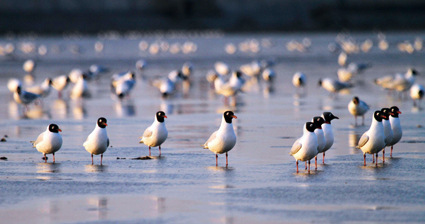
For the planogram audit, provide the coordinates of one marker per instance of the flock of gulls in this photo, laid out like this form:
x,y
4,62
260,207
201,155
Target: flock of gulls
x,y
385,129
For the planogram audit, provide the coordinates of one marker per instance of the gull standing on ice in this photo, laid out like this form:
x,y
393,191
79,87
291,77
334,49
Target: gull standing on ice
x,y
299,80
43,89
80,89
97,142
305,148
13,84
387,130
333,85
224,139
395,126
357,107
318,121
60,83
156,134
327,131
167,86
49,142
24,97
123,84
373,140
417,93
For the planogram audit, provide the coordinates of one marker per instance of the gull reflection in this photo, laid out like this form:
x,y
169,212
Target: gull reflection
x,y
353,139
14,110
168,107
37,112
95,168
125,108
78,109
48,167
60,108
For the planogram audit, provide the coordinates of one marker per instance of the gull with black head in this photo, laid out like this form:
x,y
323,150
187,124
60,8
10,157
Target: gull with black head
x,y
395,127
305,148
373,140
224,139
49,141
327,131
156,134
97,142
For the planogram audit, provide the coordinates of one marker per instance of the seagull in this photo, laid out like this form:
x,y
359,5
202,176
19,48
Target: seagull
x,y
24,97
97,142
95,71
230,88
344,75
156,134
13,83
333,85
167,86
306,147
269,75
211,76
299,80
357,107
49,141
252,69
43,89
373,140
318,121
29,67
358,68
327,131
395,126
75,74
60,83
417,93
224,139
187,69
123,84
398,82
403,83
387,129
80,89
221,68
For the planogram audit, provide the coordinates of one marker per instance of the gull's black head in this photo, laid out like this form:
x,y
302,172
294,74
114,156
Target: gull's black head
x,y
414,72
238,74
160,115
378,115
328,116
386,112
54,128
318,121
310,126
395,111
228,116
50,81
132,75
356,100
101,122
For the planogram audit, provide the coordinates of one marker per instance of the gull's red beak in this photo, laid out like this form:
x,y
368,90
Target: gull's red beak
x,y
234,117
59,130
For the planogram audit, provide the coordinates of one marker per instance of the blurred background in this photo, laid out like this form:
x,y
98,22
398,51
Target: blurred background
x,y
59,16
